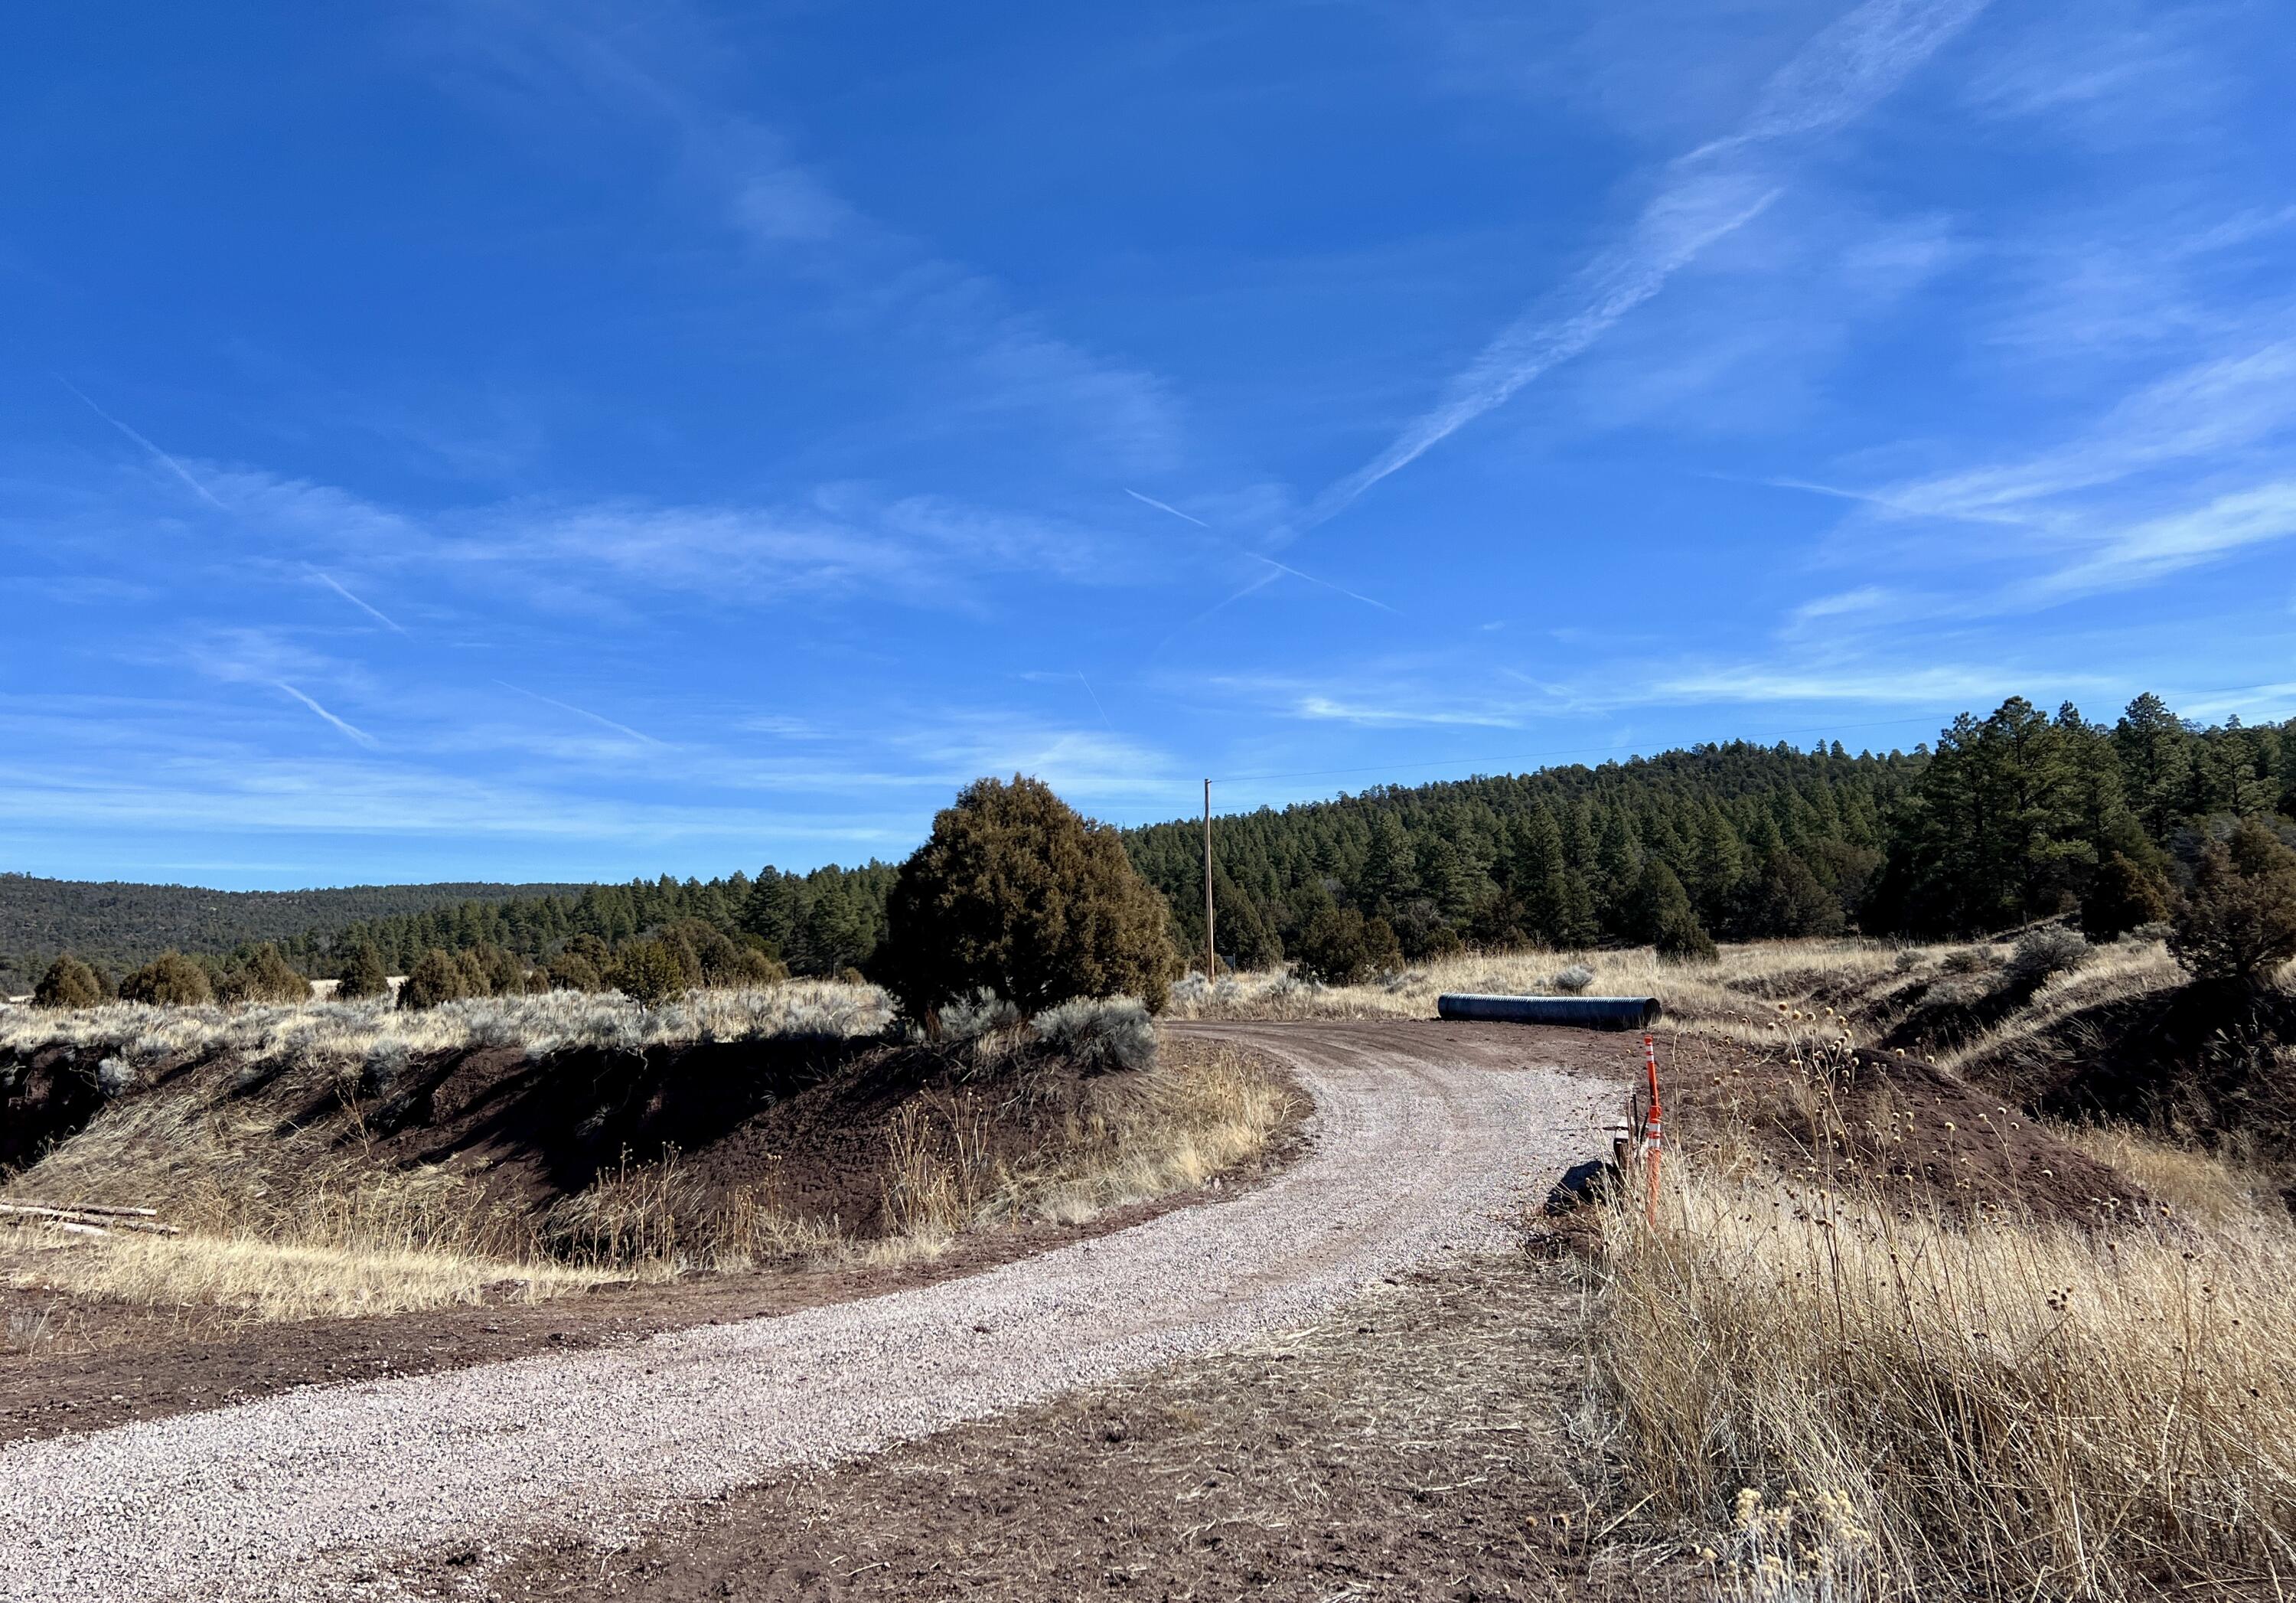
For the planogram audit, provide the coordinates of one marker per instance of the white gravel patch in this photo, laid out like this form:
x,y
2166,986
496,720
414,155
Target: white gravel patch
x,y
320,1491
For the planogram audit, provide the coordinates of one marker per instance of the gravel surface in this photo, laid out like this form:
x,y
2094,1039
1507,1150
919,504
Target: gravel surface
x,y
1424,1139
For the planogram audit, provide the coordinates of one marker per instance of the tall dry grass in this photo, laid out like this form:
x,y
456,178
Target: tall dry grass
x,y
262,1158
1205,1110
285,1211
1868,1400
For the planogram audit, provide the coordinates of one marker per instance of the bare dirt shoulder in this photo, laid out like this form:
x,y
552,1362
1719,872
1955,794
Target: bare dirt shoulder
x,y
145,1365
1413,1444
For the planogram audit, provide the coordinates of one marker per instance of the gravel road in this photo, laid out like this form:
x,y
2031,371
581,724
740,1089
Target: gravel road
x,y
1423,1136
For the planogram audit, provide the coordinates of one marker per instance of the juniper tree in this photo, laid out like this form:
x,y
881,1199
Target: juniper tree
x,y
1015,893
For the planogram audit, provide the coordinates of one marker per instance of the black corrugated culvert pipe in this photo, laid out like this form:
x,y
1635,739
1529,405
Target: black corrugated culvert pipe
x,y
1587,1012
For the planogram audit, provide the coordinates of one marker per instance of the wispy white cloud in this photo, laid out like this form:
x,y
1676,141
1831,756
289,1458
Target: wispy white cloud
x,y
1865,598
588,555
1882,684
653,67
356,733
1711,193
2146,551
1399,714
2200,413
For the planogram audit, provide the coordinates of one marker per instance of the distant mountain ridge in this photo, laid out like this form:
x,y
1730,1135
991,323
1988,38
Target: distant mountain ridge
x,y
120,925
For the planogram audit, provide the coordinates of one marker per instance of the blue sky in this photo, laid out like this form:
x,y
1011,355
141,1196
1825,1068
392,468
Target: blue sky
x,y
564,440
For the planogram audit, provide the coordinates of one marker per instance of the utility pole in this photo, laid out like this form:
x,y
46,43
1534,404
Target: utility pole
x,y
1211,957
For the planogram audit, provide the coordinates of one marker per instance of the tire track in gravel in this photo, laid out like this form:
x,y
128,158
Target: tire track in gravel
x,y
1424,1138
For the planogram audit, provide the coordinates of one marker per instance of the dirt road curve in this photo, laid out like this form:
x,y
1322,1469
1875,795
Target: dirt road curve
x,y
1424,1136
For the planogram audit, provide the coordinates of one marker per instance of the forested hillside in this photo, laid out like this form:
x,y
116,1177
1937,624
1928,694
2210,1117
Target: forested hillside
x,y
2013,816
819,923
119,925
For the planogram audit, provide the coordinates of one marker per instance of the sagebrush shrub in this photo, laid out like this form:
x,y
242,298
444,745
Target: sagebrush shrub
x,y
1573,980
970,1017
1100,1032
2051,949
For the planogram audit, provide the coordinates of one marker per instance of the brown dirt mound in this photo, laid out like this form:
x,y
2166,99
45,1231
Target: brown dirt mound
x,y
1903,1129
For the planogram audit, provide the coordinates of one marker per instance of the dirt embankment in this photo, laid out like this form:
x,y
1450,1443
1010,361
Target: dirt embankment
x,y
804,1128
2211,1062
1898,1127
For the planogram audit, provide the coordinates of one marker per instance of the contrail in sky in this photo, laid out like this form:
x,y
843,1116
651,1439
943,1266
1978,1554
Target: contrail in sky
x,y
335,585
1326,583
353,730
1841,73
580,712
180,472
1089,691
1160,506
1271,562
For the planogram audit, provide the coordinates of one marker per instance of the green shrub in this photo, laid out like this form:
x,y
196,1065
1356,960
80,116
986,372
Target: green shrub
x,y
2237,921
436,978
169,980
1016,892
1339,945
263,976
571,970
648,972
361,975
2124,896
68,984
478,979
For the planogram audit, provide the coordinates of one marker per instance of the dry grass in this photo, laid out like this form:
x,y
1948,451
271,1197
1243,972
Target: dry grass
x,y
1876,1402
1725,996
287,1218
251,1279
259,1036
2219,1190
1205,1110
1732,998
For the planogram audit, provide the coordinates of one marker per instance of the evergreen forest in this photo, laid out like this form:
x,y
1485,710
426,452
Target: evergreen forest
x,y
2011,816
